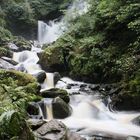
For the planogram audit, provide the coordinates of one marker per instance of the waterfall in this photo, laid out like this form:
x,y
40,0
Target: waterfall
x,y
48,33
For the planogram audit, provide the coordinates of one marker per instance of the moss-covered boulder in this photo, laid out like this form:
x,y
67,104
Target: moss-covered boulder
x,y
53,59
17,89
13,126
60,108
22,44
4,51
56,92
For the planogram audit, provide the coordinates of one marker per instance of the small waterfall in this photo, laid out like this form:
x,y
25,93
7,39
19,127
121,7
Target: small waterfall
x,y
48,33
92,117
46,109
49,110
49,82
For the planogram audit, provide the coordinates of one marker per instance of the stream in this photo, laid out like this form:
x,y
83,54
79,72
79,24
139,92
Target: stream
x,y
90,115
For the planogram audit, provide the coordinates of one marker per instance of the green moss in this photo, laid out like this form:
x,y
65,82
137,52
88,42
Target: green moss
x,y
21,79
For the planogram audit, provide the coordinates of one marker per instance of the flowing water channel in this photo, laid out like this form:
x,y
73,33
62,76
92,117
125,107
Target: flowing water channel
x,y
90,115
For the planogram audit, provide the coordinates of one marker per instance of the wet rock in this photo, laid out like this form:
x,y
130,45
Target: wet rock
x,y
60,108
136,121
53,130
83,85
10,60
132,138
125,101
20,67
94,87
12,125
35,123
5,65
13,47
56,92
74,136
114,91
57,77
40,76
33,108
69,86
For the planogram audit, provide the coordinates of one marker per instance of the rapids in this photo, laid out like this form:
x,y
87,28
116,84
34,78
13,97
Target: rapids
x,y
90,116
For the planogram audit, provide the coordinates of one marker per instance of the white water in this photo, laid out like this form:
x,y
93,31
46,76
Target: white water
x,y
48,33
91,115
89,112
28,60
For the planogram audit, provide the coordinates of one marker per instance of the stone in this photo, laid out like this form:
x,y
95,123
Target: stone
x,y
53,130
57,77
33,108
136,121
12,125
94,87
10,60
35,123
61,110
20,67
56,92
74,136
5,65
13,47
124,101
40,76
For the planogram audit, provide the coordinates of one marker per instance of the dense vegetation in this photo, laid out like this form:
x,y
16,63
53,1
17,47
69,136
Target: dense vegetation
x,y
101,46
21,16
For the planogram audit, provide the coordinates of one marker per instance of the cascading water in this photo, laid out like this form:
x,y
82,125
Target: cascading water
x,y
90,116
48,33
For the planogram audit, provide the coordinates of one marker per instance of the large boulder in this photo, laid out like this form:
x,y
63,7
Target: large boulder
x,y
40,76
57,77
35,123
51,62
136,121
126,101
60,109
56,92
53,130
12,125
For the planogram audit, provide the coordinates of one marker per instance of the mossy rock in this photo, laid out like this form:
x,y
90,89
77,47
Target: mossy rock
x,y
3,51
22,44
22,79
127,101
52,59
56,92
16,90
13,126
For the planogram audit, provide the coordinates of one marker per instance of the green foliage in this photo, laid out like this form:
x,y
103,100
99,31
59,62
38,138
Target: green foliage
x,y
5,35
21,17
103,42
